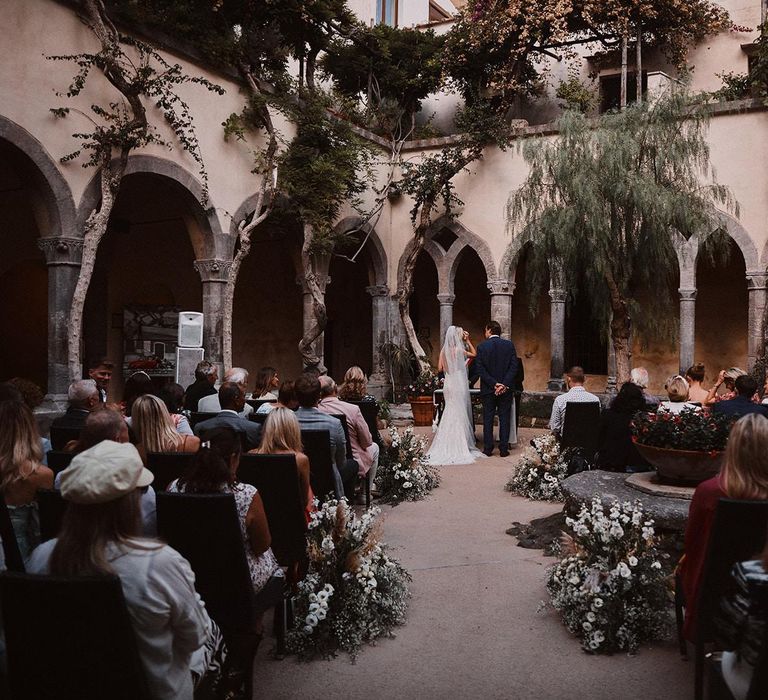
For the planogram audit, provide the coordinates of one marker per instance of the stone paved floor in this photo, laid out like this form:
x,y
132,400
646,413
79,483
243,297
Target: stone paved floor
x,y
474,629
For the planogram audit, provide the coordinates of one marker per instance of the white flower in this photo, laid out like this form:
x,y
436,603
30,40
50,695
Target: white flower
x,y
598,636
587,626
597,603
311,619
312,598
656,565
327,545
407,484
328,587
623,570
321,614
632,561
591,617
314,607
307,629
322,596
573,580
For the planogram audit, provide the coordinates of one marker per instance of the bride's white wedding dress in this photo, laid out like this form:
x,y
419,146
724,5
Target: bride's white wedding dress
x,y
454,441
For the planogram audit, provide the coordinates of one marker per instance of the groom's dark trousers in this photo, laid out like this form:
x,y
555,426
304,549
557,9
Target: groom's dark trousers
x,y
496,363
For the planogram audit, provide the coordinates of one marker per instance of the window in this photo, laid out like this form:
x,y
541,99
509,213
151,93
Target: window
x,y
386,12
437,13
610,90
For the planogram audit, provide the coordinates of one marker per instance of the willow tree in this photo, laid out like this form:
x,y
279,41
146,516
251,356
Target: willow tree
x,y
610,201
142,81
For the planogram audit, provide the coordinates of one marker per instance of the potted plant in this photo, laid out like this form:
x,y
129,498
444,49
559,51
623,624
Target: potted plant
x,y
685,448
419,393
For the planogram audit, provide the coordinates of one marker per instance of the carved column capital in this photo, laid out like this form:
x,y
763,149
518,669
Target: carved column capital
x,y
756,280
378,290
213,270
61,251
687,294
446,299
557,295
501,287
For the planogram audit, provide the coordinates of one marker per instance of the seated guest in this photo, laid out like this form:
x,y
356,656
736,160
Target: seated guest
x,y
364,449
286,398
355,386
155,431
83,396
267,384
214,470
677,391
574,380
30,394
282,435
694,375
176,639
744,476
107,424
231,400
741,404
745,612
22,472
210,404
727,378
310,418
639,376
100,370
138,384
616,451
172,395
206,375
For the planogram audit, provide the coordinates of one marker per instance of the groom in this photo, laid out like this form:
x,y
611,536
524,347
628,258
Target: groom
x,y
496,363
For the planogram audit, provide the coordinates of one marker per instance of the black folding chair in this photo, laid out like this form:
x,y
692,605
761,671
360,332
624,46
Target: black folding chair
x,y
343,420
205,530
69,639
258,403
167,466
738,534
59,461
197,417
51,507
259,418
11,552
276,477
370,411
581,428
317,446
61,435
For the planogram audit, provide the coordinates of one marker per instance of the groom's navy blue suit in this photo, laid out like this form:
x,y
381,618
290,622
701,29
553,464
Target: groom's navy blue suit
x,y
496,363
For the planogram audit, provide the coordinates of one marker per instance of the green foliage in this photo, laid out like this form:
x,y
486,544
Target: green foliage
x,y
576,95
736,86
688,430
389,70
609,201
146,74
324,167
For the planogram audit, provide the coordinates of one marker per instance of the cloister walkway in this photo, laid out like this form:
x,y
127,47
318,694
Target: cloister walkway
x,y
474,629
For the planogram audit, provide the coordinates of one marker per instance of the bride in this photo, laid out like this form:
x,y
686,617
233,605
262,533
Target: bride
x,y
454,441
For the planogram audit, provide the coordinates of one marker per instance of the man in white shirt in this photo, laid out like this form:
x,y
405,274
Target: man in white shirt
x,y
236,375
576,393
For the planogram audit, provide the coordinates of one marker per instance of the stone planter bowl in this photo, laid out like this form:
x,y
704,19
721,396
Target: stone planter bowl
x,y
689,467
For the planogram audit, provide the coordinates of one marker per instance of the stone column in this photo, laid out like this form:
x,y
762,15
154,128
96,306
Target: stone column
x,y
501,304
213,273
687,328
557,339
62,255
446,314
308,316
380,316
756,286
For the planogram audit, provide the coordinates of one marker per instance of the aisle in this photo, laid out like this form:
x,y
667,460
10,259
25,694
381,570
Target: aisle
x,y
473,630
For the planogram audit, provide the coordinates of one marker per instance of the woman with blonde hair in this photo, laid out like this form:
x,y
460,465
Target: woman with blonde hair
x,y
677,391
744,476
282,435
22,472
355,386
155,431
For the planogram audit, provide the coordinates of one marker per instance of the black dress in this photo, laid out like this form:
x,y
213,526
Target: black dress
x,y
616,451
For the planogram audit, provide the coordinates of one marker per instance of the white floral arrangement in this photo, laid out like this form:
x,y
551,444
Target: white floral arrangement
x,y
403,473
539,473
354,592
610,587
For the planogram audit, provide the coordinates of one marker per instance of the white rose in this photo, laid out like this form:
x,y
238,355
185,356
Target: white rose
x,y
327,545
314,607
311,619
321,614
322,596
587,626
632,561
312,598
597,603
328,587
656,565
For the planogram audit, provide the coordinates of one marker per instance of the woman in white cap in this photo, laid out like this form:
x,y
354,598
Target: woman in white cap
x,y
177,640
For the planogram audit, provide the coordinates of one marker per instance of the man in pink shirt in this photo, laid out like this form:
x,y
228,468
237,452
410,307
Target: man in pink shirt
x,y
364,449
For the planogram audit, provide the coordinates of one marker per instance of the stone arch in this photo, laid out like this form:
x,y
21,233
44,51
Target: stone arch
x,y
376,250
742,239
208,242
57,195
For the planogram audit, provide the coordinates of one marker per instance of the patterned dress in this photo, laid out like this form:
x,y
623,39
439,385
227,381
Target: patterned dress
x,y
264,566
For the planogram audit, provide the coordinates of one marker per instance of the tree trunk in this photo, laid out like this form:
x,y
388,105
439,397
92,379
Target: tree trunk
x,y
310,358
406,290
95,228
639,64
621,331
623,98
